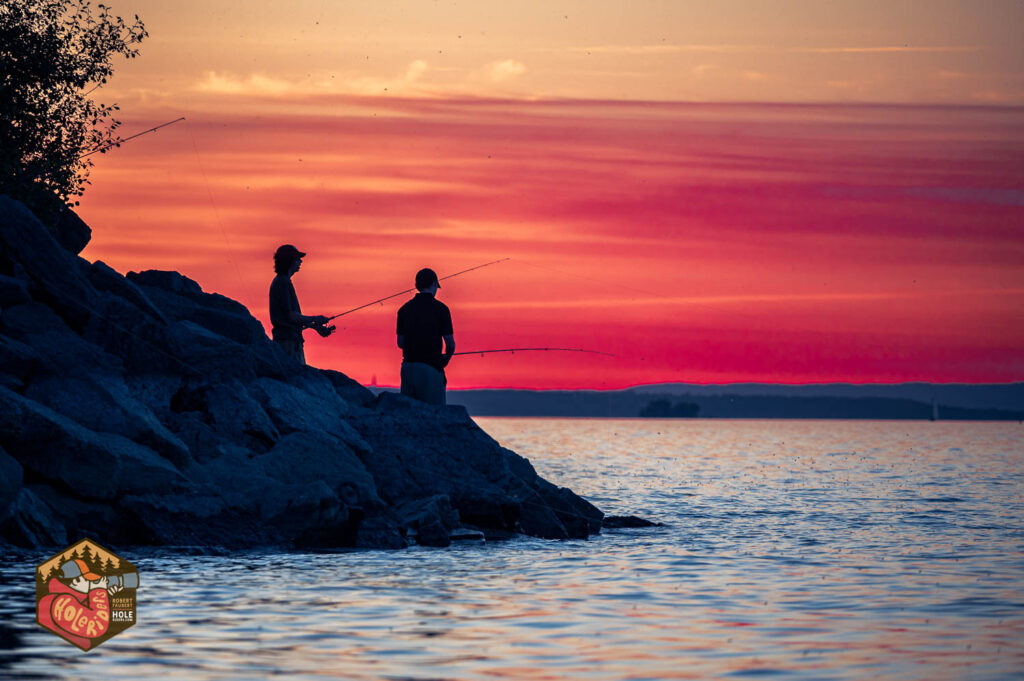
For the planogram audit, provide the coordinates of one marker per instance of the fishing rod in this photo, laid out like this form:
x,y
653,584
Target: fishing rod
x,y
410,290
119,142
513,350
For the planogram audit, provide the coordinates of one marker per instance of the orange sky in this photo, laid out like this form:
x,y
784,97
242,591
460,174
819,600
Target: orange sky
x,y
702,192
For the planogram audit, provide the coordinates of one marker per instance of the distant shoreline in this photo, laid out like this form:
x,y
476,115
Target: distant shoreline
x,y
903,401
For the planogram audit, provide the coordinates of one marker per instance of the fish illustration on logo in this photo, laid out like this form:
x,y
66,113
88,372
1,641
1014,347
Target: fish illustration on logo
x,y
86,594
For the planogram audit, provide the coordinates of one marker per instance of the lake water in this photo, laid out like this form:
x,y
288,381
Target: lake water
x,y
790,549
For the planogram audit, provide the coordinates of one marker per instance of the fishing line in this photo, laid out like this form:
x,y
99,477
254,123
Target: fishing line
x,y
515,350
121,141
213,205
410,290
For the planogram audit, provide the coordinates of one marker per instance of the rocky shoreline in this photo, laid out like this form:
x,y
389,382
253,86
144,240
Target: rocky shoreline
x,y
142,410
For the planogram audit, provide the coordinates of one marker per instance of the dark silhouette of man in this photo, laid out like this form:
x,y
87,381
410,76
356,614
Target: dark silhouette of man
x,y
423,324
286,316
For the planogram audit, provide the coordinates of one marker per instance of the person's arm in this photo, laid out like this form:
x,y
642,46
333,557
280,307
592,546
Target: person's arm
x,y
449,347
401,341
306,321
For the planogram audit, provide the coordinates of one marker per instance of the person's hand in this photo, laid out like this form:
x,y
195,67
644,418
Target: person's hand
x,y
444,360
100,583
325,331
114,589
320,320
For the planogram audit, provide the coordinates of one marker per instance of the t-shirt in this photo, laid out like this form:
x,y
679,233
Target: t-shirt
x,y
283,302
422,322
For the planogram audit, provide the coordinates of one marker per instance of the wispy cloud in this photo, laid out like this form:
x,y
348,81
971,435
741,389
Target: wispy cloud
x,y
504,70
664,48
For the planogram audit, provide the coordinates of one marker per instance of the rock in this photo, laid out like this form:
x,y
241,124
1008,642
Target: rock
x,y
579,517
349,390
63,351
535,518
488,485
106,279
13,292
202,441
103,403
229,410
309,515
203,354
167,281
431,520
379,532
194,518
11,479
32,524
142,342
53,272
467,534
70,231
92,465
313,407
323,458
82,517
18,362
617,521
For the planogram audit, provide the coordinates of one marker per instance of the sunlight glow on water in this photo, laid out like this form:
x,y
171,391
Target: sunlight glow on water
x,y
801,549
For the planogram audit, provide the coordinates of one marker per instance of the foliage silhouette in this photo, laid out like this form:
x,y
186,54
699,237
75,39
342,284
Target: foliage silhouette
x,y
53,55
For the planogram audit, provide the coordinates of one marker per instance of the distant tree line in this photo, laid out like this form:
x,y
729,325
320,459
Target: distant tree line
x,y
663,408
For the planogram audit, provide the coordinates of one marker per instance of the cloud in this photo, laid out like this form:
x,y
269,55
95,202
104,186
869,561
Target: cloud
x,y
698,48
257,85
506,69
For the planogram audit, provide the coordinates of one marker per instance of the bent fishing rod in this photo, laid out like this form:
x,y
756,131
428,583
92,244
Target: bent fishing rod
x,y
410,290
119,142
514,350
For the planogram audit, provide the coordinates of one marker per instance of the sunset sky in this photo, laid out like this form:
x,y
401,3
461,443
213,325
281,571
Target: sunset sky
x,y
715,192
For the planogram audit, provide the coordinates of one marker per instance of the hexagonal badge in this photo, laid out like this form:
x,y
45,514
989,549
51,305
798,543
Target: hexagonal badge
x,y
86,594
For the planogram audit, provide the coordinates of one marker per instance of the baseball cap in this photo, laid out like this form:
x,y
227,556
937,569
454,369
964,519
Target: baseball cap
x,y
288,251
77,568
425,278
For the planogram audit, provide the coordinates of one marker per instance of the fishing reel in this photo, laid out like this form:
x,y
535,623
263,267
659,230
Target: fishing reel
x,y
325,330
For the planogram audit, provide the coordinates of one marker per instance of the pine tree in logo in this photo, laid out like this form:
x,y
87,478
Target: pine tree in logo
x,y
87,556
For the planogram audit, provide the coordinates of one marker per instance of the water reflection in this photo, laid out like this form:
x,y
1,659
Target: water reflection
x,y
826,550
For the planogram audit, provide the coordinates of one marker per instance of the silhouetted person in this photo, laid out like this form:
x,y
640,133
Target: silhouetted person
x,y
286,316
423,323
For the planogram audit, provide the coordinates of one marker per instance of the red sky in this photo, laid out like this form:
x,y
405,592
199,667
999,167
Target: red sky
x,y
777,241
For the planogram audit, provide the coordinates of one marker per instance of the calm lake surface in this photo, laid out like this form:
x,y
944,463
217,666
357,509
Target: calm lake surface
x,y
790,549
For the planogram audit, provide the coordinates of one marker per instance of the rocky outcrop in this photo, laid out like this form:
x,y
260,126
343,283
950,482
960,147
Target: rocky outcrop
x,y
143,410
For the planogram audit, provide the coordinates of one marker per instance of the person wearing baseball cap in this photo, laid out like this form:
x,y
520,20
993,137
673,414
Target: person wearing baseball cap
x,y
423,324
286,316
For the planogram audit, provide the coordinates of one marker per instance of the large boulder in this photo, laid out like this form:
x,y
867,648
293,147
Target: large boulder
x,y
103,403
70,231
104,278
53,273
32,523
488,485
90,465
